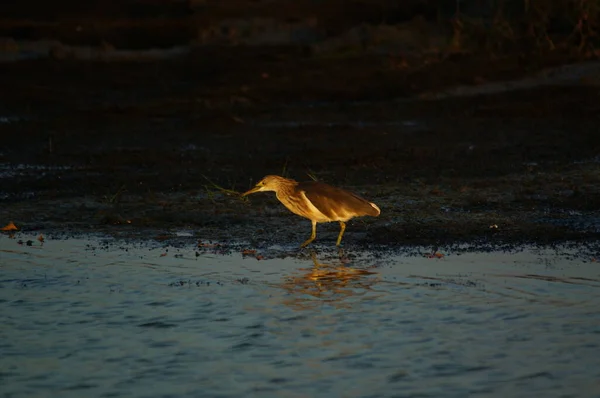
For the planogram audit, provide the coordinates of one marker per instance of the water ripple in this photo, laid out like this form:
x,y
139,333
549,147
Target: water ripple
x,y
96,319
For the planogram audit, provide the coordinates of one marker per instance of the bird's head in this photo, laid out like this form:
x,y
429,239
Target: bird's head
x,y
269,183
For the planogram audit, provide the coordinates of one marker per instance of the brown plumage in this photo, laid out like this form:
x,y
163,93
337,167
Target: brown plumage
x,y
317,201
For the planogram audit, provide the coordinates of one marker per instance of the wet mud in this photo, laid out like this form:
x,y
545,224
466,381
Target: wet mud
x,y
144,149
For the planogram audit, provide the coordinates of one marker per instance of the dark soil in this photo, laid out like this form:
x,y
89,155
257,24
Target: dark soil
x,y
150,146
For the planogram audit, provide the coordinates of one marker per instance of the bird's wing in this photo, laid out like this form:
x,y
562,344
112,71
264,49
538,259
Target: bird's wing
x,y
335,202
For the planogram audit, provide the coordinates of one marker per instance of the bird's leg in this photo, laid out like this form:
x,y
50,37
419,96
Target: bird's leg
x,y
313,235
342,229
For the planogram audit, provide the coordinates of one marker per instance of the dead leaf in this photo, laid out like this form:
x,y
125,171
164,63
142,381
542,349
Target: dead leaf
x,y
435,255
163,254
247,252
9,227
41,238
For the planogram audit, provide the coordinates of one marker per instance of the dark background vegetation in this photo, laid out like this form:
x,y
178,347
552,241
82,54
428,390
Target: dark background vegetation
x,y
492,25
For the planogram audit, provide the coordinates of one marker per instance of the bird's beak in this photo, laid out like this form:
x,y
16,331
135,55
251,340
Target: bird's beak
x,y
253,190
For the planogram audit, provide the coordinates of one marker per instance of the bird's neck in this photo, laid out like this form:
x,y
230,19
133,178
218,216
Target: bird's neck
x,y
286,183
286,186
291,199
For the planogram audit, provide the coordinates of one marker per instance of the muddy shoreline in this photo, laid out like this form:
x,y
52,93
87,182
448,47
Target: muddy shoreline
x,y
156,146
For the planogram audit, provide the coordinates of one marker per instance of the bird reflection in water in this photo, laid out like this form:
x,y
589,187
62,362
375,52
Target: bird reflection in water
x,y
332,283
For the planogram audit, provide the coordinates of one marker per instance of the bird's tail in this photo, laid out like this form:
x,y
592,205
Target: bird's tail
x,y
376,208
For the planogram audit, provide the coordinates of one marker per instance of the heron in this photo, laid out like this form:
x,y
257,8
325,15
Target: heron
x,y
317,201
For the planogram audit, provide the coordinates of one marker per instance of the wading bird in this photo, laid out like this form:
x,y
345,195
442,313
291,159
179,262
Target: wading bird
x,y
317,201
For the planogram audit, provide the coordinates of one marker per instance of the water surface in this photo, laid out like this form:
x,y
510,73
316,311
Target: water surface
x,y
96,317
